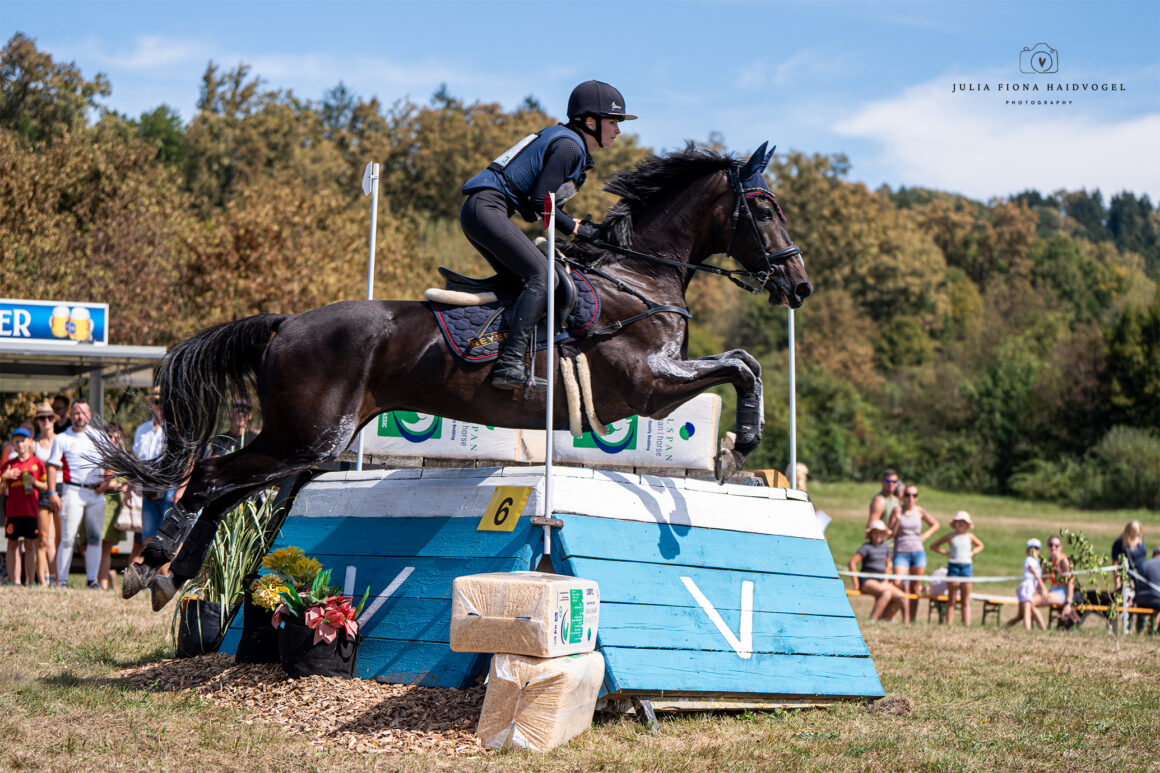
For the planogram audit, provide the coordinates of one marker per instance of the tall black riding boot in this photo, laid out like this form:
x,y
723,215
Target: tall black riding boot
x,y
509,372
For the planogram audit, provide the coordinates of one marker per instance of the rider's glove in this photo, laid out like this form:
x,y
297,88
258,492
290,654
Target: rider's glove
x,y
588,232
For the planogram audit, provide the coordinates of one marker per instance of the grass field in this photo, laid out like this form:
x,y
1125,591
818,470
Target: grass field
x,y
983,699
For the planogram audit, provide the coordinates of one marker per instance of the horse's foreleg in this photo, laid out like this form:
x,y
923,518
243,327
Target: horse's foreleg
x,y
677,380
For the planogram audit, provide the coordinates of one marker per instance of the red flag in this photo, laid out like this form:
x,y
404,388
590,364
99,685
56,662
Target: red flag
x,y
547,209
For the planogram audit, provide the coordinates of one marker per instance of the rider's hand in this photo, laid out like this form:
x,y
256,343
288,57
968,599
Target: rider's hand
x,y
588,232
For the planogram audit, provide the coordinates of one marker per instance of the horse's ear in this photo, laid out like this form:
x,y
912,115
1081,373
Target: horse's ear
x,y
769,156
755,163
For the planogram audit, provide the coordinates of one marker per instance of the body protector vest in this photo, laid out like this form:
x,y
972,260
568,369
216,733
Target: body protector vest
x,y
515,171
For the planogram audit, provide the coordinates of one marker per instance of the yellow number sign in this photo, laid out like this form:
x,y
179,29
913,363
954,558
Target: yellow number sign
x,y
504,509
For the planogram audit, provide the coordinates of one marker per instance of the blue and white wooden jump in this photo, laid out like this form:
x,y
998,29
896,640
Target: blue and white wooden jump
x,y
716,595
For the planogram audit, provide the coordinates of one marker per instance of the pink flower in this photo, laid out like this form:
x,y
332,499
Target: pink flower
x,y
330,617
276,620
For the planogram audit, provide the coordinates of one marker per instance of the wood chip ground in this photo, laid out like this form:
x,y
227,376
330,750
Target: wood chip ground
x,y
353,714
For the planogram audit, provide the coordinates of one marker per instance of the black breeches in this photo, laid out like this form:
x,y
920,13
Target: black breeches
x,y
487,224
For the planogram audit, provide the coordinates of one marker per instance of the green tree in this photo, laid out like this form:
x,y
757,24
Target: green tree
x,y
163,126
40,99
1134,365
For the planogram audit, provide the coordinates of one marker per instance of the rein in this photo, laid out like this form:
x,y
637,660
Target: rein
x,y
771,258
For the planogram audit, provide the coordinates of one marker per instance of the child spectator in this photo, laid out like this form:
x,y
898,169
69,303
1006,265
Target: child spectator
x,y
1031,592
24,476
963,546
874,555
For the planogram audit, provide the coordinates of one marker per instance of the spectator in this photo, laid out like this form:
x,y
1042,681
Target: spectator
x,y
48,502
874,555
963,547
60,405
1058,568
83,500
1130,545
118,493
1148,589
906,528
149,443
23,475
1031,591
240,434
884,502
9,450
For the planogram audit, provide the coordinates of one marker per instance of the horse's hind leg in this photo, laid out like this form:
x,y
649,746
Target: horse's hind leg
x,y
215,486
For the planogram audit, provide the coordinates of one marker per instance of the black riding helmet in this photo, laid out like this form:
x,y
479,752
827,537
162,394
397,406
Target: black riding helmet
x,y
599,100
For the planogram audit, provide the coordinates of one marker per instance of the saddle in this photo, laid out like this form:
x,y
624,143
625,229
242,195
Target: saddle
x,y
474,317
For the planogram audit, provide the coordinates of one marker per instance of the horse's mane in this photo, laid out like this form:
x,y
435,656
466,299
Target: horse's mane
x,y
636,187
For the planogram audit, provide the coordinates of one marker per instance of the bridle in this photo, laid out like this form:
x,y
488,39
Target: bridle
x,y
751,281
772,259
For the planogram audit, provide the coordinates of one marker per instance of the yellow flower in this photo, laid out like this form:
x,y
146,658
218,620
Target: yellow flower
x,y
303,570
281,559
265,590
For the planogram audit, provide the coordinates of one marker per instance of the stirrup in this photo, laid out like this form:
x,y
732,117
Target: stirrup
x,y
508,383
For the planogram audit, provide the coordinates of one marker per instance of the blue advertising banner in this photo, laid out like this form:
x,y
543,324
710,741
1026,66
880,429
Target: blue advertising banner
x,y
59,321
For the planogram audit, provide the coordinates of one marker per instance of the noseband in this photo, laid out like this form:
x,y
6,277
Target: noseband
x,y
772,259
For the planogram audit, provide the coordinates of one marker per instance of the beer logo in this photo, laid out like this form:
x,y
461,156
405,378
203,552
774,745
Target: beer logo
x,y
76,323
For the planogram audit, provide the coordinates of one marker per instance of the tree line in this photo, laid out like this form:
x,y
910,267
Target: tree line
x,y
1007,346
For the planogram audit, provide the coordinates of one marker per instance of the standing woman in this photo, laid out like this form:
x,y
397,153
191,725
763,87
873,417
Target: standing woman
x,y
48,503
517,181
909,556
1130,545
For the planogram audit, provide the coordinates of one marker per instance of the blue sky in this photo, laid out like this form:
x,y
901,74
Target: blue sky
x,y
875,80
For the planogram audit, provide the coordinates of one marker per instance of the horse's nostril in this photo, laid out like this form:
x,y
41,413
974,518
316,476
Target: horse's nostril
x,y
804,289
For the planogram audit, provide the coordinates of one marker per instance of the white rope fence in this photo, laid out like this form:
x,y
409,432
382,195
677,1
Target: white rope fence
x,y
927,578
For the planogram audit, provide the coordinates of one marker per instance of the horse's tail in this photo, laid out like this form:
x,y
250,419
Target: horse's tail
x,y
197,378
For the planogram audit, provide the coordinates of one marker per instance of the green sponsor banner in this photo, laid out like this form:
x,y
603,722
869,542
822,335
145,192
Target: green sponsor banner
x,y
576,631
412,426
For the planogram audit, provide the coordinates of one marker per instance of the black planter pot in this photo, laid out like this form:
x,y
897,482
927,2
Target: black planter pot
x,y
199,630
302,657
259,642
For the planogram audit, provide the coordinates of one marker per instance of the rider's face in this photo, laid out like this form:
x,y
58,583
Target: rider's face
x,y
609,131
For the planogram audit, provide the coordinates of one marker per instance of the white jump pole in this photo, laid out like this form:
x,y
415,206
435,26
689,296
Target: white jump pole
x,y
550,393
792,408
370,186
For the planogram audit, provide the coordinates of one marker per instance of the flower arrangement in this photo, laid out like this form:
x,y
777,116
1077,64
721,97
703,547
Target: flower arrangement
x,y
299,589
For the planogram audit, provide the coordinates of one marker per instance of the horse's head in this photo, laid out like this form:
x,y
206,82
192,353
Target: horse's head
x,y
758,238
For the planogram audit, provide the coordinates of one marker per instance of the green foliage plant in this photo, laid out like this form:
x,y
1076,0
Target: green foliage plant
x,y
1087,562
240,542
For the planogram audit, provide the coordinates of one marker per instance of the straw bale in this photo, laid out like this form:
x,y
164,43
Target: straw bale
x,y
524,613
539,703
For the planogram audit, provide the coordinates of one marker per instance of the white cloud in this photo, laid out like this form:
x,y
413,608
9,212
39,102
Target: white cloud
x,y
977,144
150,52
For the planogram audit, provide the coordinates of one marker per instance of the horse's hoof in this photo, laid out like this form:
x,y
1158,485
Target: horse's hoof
x,y
137,577
163,591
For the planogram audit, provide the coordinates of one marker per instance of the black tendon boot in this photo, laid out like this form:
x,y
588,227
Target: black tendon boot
x,y
509,372
160,550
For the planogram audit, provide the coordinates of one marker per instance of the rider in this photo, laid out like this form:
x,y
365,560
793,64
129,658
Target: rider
x,y
517,181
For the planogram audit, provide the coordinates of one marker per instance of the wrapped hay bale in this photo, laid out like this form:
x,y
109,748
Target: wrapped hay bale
x,y
539,703
524,613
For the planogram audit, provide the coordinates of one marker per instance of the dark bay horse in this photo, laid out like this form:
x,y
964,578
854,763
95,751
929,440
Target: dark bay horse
x,y
322,374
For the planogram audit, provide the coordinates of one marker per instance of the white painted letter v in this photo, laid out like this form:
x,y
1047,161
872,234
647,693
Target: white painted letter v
x,y
742,645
